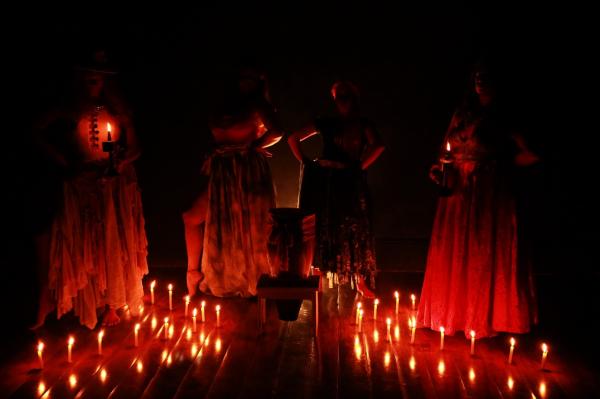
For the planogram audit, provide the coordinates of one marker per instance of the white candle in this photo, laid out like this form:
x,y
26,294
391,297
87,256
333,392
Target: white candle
x,y
413,299
170,296
218,310
544,355
397,296
375,303
358,306
388,321
166,327
70,344
100,336
413,327
202,305
187,304
152,285
512,349
330,279
442,330
194,313
136,330
360,317
472,343
40,353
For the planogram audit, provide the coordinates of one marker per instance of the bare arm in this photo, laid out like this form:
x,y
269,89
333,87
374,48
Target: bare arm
x,y
271,127
299,136
373,150
524,157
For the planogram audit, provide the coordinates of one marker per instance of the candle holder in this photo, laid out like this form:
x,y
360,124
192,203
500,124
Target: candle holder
x,y
447,169
110,147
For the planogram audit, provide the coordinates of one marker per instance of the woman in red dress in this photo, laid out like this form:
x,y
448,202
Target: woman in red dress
x,y
476,278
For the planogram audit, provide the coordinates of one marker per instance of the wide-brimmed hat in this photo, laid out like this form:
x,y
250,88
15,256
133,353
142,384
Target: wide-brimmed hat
x,y
97,62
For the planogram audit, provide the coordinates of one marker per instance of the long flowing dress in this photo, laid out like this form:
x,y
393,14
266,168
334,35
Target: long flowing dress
x,y
339,197
238,222
98,242
476,277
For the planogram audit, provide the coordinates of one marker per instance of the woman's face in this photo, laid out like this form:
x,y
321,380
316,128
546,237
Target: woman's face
x,y
483,85
94,83
345,101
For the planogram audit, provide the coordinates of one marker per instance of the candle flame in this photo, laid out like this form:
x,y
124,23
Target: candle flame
x,y
40,346
71,340
164,355
166,320
170,287
412,363
512,341
73,380
359,305
137,327
396,294
103,375
441,367
108,127
356,340
188,335
448,146
187,299
386,359
510,383
442,330
203,303
413,297
397,332
218,308
471,375
100,335
154,323
139,366
388,321
218,345
472,334
544,348
376,301
41,388
543,389
375,336
194,350
152,284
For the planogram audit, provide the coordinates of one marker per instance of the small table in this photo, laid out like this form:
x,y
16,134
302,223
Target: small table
x,y
275,288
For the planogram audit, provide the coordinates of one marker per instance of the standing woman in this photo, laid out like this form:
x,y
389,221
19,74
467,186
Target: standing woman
x,y
227,227
476,277
96,257
334,187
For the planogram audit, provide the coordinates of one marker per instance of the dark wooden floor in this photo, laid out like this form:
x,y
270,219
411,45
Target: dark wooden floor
x,y
286,362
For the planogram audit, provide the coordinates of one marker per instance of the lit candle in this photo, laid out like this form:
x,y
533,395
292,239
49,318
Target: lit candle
x,y
358,306
139,366
360,317
103,375
442,330
152,285
136,330
412,363
218,310
73,380
330,278
375,303
386,359
543,389
154,323
413,327
100,336
397,332
375,335
512,349
388,321
510,383
472,343
108,130
194,313
471,375
413,299
544,355
202,305
70,344
166,327
441,367
170,296
40,353
397,296
187,304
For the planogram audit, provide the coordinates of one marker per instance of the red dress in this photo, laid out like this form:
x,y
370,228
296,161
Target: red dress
x,y
475,278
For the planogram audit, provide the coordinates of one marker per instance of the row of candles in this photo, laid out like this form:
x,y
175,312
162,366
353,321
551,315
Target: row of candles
x,y
168,329
412,324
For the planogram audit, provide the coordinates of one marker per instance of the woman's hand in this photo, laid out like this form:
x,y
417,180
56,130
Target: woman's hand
x,y
435,173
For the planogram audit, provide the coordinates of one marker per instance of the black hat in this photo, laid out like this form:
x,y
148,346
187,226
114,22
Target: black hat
x,y
97,62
